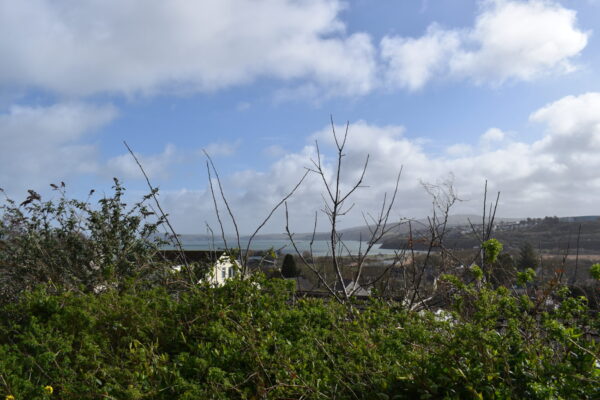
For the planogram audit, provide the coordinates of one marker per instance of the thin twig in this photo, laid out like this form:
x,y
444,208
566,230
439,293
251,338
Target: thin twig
x,y
233,220
153,192
262,224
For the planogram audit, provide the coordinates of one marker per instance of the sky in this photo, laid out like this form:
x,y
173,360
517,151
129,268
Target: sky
x,y
448,91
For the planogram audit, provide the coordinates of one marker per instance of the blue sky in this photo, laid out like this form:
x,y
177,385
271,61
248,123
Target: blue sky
x,y
507,91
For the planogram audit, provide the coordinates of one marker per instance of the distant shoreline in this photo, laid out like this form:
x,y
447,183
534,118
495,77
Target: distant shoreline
x,y
319,247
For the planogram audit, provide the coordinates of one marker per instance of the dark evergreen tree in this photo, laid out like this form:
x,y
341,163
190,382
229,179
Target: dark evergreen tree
x,y
528,257
288,268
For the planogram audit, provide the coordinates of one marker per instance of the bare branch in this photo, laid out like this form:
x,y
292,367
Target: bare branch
x,y
233,220
162,213
212,192
311,265
334,207
262,224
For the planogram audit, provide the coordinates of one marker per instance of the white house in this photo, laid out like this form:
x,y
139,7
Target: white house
x,y
224,268
221,266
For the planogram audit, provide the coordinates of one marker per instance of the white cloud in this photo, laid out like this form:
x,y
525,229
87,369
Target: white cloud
x,y
571,115
155,166
520,40
414,62
218,149
555,175
145,46
41,145
459,149
148,46
573,134
510,40
493,135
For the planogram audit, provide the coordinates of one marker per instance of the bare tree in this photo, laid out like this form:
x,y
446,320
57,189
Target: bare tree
x,y
244,252
443,198
337,204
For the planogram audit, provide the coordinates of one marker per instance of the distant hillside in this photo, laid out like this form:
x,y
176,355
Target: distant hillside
x,y
550,234
396,228
417,225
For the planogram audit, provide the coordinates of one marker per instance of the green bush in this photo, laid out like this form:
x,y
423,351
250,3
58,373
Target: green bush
x,y
595,271
251,339
492,249
75,244
137,338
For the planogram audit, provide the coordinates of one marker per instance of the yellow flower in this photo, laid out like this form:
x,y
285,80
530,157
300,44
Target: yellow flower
x,y
9,397
49,389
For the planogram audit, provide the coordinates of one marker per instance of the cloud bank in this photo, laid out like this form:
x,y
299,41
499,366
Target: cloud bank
x,y
82,48
510,40
41,145
556,174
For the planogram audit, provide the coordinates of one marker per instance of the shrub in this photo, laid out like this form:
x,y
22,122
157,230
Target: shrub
x,y
595,271
492,248
73,244
247,339
252,338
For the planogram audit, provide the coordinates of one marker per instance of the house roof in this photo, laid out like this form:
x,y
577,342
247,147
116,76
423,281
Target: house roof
x,y
349,285
199,256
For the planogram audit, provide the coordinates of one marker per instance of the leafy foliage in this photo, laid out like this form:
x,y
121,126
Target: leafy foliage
x,y
73,244
247,339
525,277
595,271
253,338
492,248
476,272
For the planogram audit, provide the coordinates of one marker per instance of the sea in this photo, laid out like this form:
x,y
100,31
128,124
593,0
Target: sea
x,y
284,246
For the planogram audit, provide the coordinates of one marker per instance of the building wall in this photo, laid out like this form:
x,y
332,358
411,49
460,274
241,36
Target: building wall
x,y
223,270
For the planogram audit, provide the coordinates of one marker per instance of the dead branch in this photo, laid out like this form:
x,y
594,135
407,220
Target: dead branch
x,y
231,216
153,192
334,207
244,254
